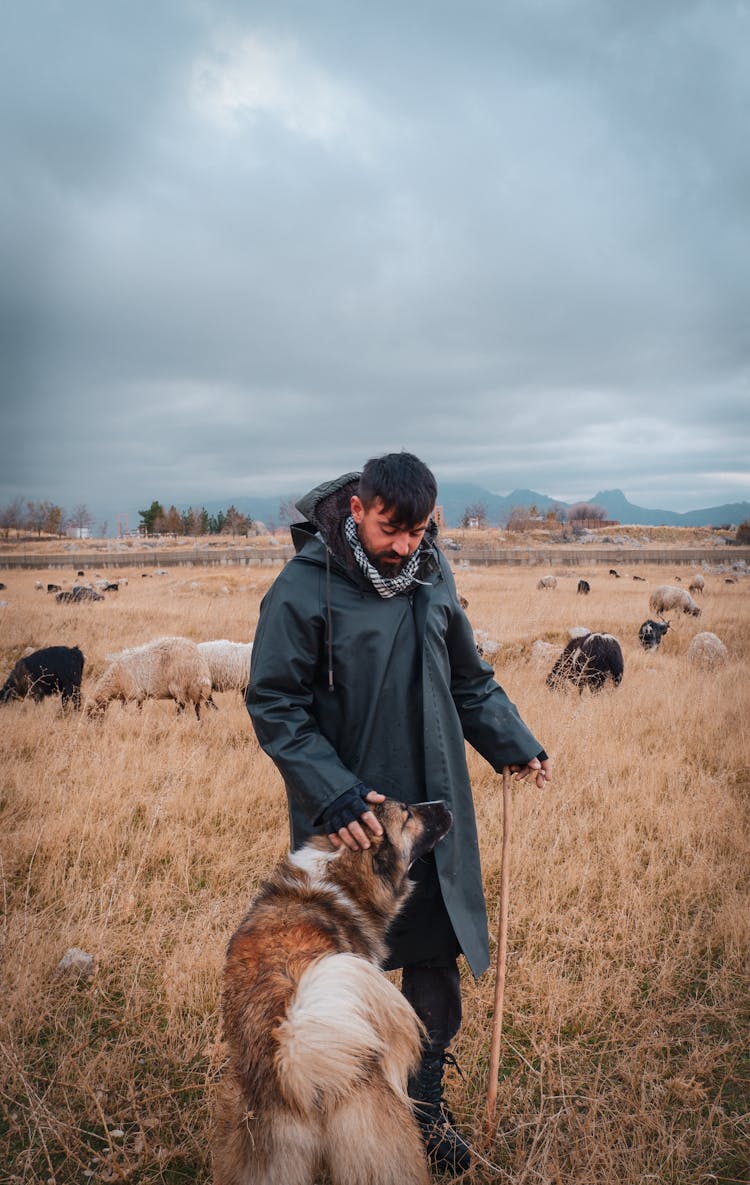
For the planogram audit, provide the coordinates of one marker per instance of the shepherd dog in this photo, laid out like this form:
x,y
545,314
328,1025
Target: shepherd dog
x,y
319,1041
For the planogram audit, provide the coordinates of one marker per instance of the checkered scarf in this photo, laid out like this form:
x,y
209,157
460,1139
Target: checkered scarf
x,y
387,586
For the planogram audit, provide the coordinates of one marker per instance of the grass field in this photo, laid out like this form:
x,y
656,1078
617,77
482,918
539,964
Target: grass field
x,y
141,838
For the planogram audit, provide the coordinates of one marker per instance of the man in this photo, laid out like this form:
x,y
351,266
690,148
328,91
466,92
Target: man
x,y
365,681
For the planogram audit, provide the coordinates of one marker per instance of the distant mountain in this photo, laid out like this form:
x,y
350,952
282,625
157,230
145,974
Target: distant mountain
x,y
455,497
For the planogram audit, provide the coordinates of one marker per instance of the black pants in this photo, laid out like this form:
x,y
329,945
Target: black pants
x,y
435,995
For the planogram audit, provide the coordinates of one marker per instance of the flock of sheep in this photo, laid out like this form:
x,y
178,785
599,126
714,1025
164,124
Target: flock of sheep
x,y
590,659
167,668
189,672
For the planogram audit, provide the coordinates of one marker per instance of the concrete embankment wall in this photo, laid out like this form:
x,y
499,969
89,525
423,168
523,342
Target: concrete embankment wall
x,y
550,557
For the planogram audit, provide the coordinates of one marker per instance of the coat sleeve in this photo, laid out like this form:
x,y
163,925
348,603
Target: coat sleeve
x,y
490,722
286,659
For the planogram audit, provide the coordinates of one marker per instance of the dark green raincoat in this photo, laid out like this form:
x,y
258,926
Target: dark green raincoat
x,y
349,687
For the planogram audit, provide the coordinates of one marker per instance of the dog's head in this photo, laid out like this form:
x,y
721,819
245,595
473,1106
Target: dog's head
x,y
409,831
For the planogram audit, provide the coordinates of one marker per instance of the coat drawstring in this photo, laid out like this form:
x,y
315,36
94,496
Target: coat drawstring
x,y
330,620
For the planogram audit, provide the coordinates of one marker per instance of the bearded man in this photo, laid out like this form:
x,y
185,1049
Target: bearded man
x,y
365,682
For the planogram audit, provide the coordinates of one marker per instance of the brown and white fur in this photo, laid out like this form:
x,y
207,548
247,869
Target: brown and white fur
x,y
320,1042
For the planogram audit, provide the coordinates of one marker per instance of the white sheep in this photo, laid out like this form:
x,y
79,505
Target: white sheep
x,y
706,650
542,652
547,582
697,583
667,597
487,647
228,663
167,668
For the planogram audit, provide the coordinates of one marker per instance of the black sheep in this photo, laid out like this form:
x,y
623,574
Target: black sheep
x,y
54,670
651,633
584,587
588,662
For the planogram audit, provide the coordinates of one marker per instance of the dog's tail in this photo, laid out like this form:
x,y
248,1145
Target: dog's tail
x,y
345,1018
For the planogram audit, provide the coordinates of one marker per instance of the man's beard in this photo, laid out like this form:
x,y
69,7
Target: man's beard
x,y
383,568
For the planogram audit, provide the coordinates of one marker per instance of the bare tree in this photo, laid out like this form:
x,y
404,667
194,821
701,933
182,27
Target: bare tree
x,y
586,510
12,516
518,519
288,512
81,519
475,515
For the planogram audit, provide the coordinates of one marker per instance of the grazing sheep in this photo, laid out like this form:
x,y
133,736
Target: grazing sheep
x,y
487,647
167,668
542,651
547,582
706,650
697,583
583,587
53,588
54,670
651,633
588,662
667,597
78,594
228,664
641,578
614,572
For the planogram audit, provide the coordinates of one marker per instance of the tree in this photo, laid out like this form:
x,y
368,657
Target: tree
x,y
172,522
743,532
191,521
475,515
518,519
54,520
36,516
288,512
586,510
81,519
149,517
11,517
236,523
216,522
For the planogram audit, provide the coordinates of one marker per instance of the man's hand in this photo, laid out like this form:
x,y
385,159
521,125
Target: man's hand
x,y
354,835
539,771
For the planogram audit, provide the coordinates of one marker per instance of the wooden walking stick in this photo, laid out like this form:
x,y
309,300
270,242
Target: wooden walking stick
x,y
502,944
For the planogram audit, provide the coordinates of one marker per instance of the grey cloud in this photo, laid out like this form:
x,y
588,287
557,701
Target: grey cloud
x,y
522,230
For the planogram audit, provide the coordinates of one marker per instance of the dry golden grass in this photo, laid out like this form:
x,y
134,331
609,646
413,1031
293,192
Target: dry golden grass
x,y
141,839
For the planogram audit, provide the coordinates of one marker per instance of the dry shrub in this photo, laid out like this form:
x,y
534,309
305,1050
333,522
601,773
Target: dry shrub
x,y
142,837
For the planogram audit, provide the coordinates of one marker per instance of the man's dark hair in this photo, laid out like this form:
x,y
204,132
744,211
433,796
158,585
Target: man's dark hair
x,y
403,483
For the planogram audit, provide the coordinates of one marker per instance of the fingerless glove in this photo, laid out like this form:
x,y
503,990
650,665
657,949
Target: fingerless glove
x,y
345,809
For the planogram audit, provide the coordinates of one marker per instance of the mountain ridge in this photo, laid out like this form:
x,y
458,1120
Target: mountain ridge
x,y
456,497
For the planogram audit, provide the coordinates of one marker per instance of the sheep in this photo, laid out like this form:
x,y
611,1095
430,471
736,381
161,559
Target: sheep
x,y
614,572
547,582
78,593
584,587
588,662
53,588
706,650
487,647
53,670
697,583
167,668
641,578
542,652
668,597
228,664
651,633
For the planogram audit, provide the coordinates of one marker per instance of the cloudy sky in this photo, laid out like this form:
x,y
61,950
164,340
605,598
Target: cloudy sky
x,y
244,246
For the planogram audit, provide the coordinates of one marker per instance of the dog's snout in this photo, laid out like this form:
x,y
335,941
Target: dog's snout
x,y
435,816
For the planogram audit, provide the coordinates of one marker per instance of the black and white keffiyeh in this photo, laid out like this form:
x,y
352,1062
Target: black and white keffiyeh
x,y
387,586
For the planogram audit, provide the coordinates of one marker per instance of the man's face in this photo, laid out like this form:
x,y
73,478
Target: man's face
x,y
388,542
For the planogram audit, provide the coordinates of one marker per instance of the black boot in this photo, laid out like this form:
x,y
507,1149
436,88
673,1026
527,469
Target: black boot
x,y
446,1151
